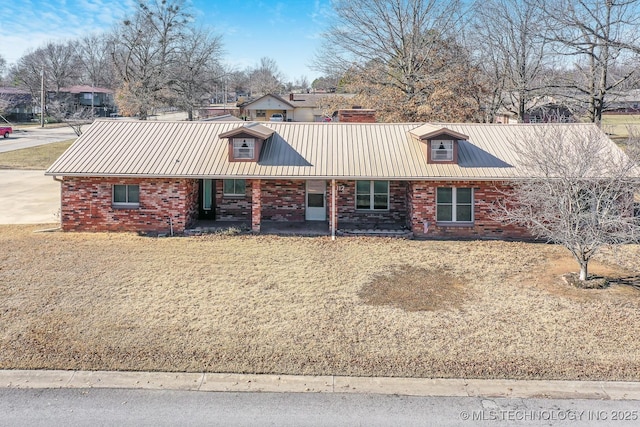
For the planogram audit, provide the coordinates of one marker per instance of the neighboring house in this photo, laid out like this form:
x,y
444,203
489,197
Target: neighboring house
x,y
538,110
623,103
87,97
299,107
435,180
17,104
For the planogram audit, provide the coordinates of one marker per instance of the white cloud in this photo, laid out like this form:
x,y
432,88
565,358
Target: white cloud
x,y
35,23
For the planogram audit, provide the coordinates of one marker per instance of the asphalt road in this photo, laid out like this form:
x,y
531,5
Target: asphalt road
x,y
107,407
34,136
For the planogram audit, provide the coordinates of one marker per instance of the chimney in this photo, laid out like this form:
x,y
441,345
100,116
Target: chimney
x,y
291,96
357,115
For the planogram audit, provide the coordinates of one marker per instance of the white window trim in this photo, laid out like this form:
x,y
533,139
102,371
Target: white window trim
x,y
372,197
454,206
447,150
126,204
250,149
234,187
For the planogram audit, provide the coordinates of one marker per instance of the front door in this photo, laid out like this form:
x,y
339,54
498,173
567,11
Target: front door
x,y
316,209
207,199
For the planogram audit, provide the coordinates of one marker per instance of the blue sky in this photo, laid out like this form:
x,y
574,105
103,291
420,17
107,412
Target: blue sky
x,y
287,31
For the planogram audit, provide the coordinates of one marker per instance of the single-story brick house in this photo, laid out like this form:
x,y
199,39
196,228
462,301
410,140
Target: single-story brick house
x,y
435,180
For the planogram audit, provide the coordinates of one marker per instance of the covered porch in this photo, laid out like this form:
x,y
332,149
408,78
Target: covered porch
x,y
301,228
302,207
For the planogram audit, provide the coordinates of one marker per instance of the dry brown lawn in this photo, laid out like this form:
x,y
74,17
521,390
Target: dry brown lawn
x,y
294,305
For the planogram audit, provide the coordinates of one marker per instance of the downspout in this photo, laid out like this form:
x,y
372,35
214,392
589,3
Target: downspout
x,y
333,209
60,180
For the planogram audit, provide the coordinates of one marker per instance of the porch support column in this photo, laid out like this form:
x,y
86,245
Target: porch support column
x,y
334,216
256,205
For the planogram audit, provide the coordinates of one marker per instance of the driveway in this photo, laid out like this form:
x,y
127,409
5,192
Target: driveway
x,y
28,197
34,136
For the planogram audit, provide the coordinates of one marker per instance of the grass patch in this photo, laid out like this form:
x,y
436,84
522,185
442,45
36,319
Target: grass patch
x,y
40,157
415,289
294,305
618,126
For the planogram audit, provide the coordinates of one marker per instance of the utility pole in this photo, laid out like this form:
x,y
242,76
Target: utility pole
x,y
42,99
92,96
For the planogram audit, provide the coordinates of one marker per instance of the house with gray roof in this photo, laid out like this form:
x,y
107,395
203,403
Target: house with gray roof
x,y
434,180
297,107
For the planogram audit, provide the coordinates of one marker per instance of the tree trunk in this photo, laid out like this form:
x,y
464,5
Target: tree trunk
x,y
583,271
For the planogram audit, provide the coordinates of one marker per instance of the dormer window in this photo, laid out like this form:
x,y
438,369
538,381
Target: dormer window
x,y
245,142
442,150
439,144
243,148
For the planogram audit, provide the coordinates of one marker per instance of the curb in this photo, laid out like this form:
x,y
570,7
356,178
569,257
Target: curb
x,y
217,382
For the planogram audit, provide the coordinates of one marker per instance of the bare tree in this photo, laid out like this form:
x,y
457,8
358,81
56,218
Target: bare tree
x,y
197,69
144,48
301,83
61,64
59,111
327,83
509,37
402,48
266,77
3,67
597,36
93,56
57,60
580,193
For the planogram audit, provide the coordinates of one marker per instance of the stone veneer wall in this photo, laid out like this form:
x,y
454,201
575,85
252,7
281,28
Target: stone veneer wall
x,y
421,200
87,205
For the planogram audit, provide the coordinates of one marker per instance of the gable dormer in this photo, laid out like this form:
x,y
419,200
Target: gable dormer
x,y
439,144
245,142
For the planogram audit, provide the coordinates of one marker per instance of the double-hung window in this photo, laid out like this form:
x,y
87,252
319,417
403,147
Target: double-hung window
x,y
442,150
454,204
126,196
243,148
234,187
372,195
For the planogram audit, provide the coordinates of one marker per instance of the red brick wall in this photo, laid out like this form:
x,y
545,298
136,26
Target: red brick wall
x,y
87,205
283,200
421,200
357,115
234,208
346,204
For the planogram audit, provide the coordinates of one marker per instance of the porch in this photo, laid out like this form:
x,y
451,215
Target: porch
x,y
302,228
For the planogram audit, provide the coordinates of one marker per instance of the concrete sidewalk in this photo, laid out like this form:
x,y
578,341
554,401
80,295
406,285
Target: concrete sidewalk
x,y
613,390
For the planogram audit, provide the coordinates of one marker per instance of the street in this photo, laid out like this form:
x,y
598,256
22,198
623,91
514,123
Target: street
x,y
130,407
25,137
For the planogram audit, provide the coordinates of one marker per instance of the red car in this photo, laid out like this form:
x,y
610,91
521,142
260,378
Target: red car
x,y
5,131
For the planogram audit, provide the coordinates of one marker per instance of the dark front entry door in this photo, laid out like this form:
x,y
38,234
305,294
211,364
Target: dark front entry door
x,y
207,199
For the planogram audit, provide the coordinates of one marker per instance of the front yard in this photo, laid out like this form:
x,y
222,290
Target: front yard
x,y
294,305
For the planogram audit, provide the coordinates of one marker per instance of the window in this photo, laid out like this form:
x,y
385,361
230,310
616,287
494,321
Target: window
x,y
454,205
234,187
372,195
243,148
126,195
442,150
261,113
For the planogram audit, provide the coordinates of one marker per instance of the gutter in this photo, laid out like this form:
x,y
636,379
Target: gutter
x,y
294,177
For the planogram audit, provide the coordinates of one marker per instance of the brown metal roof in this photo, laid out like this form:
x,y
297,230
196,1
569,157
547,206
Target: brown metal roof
x,y
294,150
